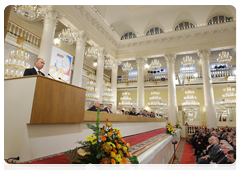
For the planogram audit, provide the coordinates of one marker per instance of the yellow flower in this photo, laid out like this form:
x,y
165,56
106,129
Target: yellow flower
x,y
123,161
124,149
118,158
81,152
119,136
112,155
120,153
107,148
119,146
109,134
128,145
90,167
93,143
116,129
113,145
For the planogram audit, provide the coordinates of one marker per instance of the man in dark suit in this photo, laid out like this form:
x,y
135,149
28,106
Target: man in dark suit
x,y
201,144
232,160
108,108
223,159
133,112
95,106
39,64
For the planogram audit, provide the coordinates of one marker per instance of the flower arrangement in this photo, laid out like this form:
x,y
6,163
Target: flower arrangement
x,y
104,146
178,125
170,130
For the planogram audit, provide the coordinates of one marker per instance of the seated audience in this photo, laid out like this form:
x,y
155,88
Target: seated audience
x,y
229,139
108,108
231,156
234,143
122,112
101,108
201,143
223,159
140,113
119,111
126,113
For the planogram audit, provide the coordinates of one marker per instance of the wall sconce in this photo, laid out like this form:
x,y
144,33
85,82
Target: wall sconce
x,y
146,66
95,64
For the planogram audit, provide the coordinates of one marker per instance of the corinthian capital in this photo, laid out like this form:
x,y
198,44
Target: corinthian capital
x,y
116,62
81,38
170,57
204,54
140,61
102,53
50,15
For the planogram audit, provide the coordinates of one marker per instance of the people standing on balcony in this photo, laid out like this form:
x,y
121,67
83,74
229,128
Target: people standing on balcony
x,y
119,111
39,64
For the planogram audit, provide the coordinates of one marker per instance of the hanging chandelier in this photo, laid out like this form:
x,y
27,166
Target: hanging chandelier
x,y
156,102
229,98
67,36
187,61
126,100
107,95
27,12
18,62
92,53
155,64
190,101
127,67
91,93
224,57
109,64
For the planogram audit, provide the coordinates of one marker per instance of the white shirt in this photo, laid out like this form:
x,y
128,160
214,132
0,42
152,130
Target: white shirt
x,y
36,70
118,112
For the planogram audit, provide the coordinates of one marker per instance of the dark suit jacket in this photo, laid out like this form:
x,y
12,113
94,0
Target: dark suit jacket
x,y
31,71
133,113
93,108
105,109
213,153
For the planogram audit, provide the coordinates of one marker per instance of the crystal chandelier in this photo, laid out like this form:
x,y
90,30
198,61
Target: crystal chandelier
x,y
91,90
224,57
155,64
27,12
156,102
127,67
126,100
187,61
190,101
109,64
229,97
67,36
18,62
92,53
107,95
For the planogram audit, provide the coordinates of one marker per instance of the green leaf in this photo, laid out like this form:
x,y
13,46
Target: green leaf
x,y
98,156
90,126
133,160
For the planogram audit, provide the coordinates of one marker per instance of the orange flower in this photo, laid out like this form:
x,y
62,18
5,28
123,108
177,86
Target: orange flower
x,y
116,141
124,160
128,154
114,150
103,130
121,165
111,130
113,161
105,161
103,138
118,132
123,141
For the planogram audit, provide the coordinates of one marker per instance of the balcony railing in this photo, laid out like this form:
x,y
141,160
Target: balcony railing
x,y
180,74
19,31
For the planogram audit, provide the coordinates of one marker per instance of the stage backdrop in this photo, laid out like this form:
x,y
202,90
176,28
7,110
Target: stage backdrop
x,y
60,65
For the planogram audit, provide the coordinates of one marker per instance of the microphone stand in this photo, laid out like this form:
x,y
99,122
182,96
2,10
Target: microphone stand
x,y
51,76
62,80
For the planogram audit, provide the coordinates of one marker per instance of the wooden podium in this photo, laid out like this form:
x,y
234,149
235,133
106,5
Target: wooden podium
x,y
53,101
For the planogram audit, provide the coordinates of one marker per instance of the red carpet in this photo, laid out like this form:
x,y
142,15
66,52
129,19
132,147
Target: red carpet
x,y
187,157
142,137
62,159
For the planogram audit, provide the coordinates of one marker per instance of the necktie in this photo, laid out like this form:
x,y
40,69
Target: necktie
x,y
221,159
39,73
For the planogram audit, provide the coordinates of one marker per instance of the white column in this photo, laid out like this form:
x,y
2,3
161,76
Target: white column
x,y
81,39
207,88
172,98
50,16
99,76
116,62
140,83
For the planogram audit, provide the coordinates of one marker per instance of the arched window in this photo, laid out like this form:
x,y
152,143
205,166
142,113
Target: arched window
x,y
128,35
184,25
154,30
219,19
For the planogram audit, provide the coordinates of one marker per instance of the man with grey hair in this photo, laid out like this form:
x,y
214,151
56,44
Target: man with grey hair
x,y
133,112
223,159
95,106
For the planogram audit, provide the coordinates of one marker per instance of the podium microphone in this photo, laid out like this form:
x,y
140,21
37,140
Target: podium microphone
x,y
51,76
62,80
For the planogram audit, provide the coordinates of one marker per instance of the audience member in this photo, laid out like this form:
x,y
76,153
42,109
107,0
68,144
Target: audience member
x,y
126,113
201,144
229,139
223,159
119,111
231,156
122,112
108,108
133,112
101,108
95,106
